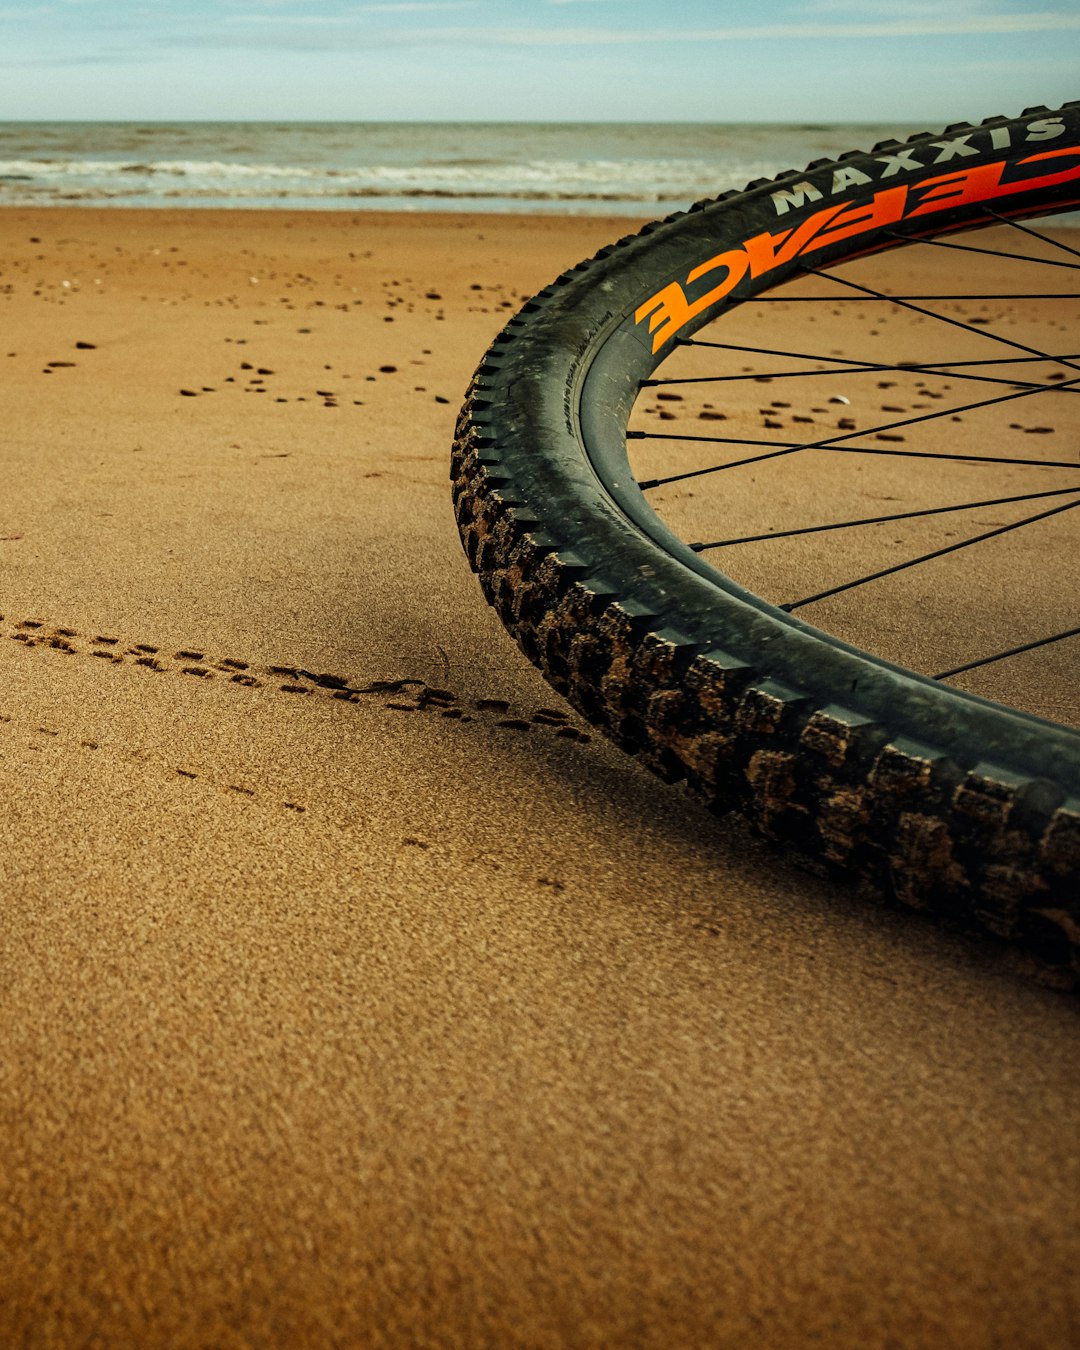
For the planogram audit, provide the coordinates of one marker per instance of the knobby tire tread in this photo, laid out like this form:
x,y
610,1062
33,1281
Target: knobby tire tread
x,y
932,820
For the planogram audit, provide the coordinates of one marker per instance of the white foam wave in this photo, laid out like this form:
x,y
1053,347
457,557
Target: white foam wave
x,y
629,179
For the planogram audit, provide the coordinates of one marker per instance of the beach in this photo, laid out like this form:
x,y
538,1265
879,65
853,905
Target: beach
x,y
419,1014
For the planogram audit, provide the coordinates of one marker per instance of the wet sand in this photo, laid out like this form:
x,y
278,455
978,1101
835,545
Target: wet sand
x,y
418,1015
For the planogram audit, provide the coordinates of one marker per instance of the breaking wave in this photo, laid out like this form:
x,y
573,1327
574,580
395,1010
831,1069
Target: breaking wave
x,y
26,181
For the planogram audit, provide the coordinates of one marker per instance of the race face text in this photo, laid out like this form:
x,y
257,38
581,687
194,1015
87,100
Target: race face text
x,y
672,308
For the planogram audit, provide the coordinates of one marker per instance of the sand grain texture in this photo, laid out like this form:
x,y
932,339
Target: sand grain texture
x,y
353,993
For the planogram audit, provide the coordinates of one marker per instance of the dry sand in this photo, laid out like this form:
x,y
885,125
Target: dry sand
x,y
421,1019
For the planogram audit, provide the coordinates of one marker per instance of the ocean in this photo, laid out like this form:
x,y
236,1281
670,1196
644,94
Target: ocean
x,y
604,168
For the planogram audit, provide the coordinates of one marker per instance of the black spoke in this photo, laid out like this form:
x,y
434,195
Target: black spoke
x,y
897,299
905,303
880,520
993,252
927,557
1043,238
648,485
829,442
847,365
862,370
1000,656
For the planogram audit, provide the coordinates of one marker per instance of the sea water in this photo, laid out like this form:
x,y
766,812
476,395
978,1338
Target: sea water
x,y
608,168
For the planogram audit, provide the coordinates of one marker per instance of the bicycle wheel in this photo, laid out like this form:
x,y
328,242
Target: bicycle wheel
x,y
943,800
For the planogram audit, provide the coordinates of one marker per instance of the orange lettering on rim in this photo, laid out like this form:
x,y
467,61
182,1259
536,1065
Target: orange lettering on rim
x,y
669,310
767,251
886,208
957,189
1047,179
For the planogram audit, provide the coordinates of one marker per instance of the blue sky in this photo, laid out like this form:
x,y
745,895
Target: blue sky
x,y
545,60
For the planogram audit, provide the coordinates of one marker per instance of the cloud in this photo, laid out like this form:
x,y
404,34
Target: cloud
x,y
912,9
108,58
961,25
409,6
927,26
357,12
909,27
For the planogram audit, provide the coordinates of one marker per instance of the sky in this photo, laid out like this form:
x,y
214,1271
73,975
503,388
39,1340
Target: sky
x,y
535,60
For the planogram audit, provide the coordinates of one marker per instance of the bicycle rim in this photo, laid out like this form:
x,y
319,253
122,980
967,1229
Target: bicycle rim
x,y
936,797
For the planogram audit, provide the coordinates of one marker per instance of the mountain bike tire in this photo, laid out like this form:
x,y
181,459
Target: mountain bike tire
x,y
938,799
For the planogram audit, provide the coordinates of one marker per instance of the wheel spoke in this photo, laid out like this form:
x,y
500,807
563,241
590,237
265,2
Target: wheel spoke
x,y
905,302
1001,656
831,442
845,366
1026,229
648,484
861,370
994,253
897,299
927,557
880,520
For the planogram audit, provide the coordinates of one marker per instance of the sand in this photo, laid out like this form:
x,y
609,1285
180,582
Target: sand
x,y
423,1016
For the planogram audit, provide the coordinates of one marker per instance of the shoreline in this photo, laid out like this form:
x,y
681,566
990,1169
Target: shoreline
x,y
530,207
382,217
